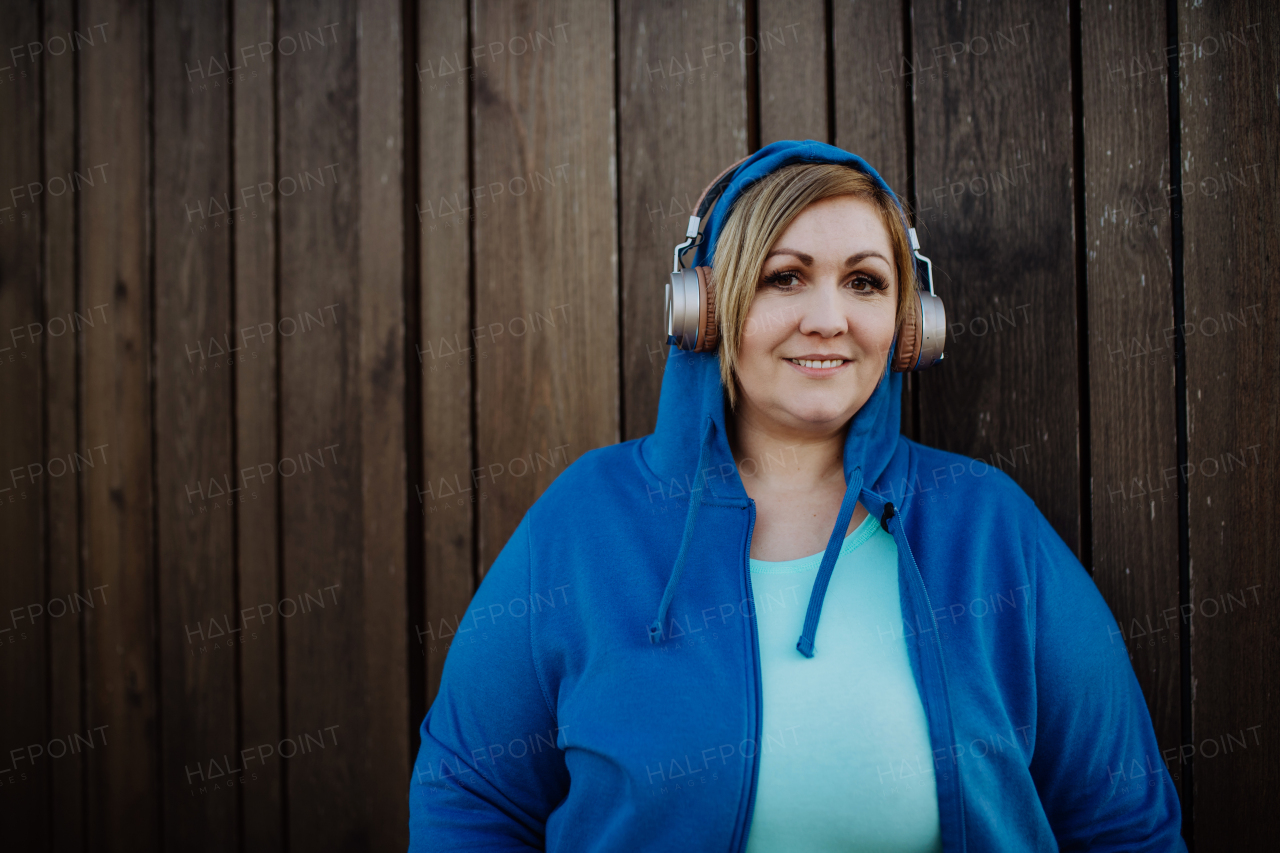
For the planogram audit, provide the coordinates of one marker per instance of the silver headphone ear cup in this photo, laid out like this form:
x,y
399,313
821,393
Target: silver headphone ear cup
x,y
683,309
933,331
923,334
666,313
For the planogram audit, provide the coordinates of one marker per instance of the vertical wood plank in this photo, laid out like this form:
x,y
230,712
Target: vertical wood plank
x,y
871,90
1230,127
24,804
195,357
256,396
384,744
543,116
1133,430
446,353
322,516
62,437
120,639
682,118
997,109
791,47
341,392
873,83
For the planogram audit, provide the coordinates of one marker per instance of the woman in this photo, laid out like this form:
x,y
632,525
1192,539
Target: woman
x,y
676,649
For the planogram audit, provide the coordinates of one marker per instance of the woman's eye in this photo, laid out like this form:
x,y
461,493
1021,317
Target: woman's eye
x,y
865,282
784,280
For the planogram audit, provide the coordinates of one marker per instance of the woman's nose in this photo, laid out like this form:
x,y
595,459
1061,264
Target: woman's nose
x,y
820,310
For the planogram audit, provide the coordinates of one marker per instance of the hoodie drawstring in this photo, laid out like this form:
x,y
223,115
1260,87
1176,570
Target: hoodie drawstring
x,y
820,583
834,544
695,503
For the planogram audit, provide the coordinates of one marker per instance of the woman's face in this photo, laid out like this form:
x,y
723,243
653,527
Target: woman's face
x,y
819,329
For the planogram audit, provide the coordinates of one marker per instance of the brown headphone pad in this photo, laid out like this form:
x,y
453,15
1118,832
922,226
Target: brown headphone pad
x,y
909,338
708,324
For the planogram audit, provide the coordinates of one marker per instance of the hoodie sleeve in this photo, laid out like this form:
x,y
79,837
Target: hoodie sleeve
x,y
491,766
1101,778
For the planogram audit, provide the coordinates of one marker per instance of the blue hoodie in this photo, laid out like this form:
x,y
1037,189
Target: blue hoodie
x,y
602,692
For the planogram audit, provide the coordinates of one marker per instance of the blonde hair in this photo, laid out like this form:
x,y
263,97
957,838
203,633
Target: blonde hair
x,y
757,220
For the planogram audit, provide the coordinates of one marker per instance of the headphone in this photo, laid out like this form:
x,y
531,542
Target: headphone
x,y
691,298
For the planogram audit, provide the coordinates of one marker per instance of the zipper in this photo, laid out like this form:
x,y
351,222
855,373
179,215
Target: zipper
x,y
900,536
755,658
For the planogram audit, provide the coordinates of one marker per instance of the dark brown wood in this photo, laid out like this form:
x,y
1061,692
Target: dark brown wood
x,y
342,421
446,352
321,522
993,176
115,409
24,803
872,85
546,258
61,437
791,49
256,395
1229,68
384,743
197,488
873,80
1132,429
682,118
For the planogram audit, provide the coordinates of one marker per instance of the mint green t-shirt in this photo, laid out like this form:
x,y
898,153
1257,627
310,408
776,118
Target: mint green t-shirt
x,y
842,731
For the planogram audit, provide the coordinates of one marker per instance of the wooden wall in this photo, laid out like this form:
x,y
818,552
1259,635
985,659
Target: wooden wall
x,y
303,304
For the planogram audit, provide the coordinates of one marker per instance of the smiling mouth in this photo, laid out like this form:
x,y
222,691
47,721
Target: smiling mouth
x,y
817,364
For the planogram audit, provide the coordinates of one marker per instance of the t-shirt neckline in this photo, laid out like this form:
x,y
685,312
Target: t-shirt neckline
x,y
860,534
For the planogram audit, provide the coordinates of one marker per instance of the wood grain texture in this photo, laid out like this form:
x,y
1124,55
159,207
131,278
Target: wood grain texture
x,y
546,257
791,49
994,172
872,86
682,118
196,486
256,398
330,694
1230,133
1132,429
62,437
23,582
384,744
446,354
873,81
115,410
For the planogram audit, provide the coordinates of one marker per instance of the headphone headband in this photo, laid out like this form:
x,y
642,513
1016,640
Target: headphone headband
x,y
709,195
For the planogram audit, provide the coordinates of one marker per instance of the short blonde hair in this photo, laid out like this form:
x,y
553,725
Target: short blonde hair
x,y
757,220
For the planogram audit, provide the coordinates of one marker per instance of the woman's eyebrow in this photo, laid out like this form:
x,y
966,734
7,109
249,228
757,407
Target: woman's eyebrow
x,y
806,260
853,260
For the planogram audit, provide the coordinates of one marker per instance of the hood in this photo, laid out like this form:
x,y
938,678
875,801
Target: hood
x,y
690,436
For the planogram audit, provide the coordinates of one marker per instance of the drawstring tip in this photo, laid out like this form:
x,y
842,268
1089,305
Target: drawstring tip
x,y
885,516
805,646
655,633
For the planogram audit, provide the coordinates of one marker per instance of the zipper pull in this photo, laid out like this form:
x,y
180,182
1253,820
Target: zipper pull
x,y
885,516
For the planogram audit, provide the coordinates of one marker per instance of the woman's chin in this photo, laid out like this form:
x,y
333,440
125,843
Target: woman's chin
x,y
817,412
